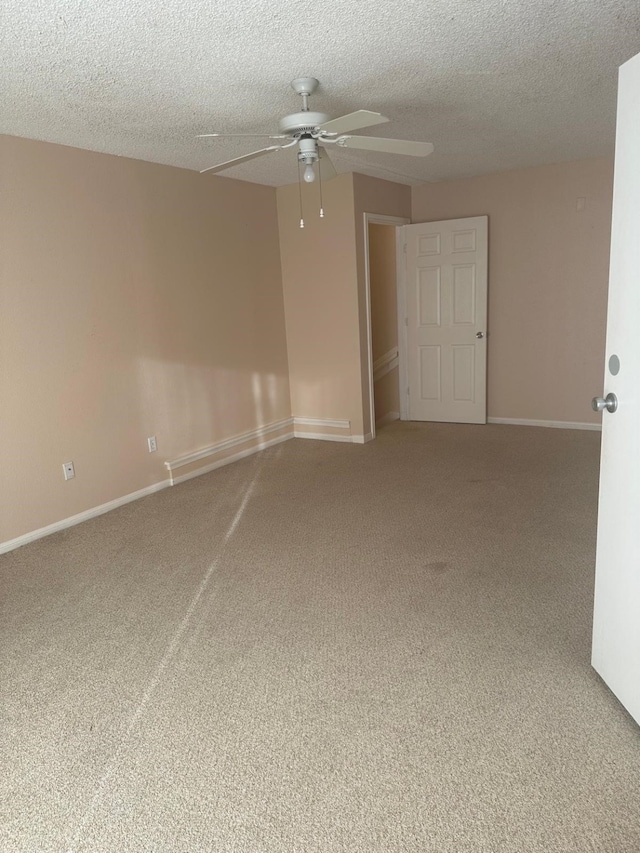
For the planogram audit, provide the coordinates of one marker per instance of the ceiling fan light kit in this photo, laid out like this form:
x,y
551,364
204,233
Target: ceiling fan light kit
x,y
312,131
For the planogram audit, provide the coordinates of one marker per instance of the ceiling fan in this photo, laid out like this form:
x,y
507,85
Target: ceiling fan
x,y
310,131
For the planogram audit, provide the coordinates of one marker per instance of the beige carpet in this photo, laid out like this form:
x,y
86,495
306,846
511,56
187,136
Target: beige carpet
x,y
325,647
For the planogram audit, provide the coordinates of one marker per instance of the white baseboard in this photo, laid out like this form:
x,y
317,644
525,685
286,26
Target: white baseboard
x,y
322,436
389,418
326,423
323,423
257,439
362,439
553,424
235,457
11,544
258,436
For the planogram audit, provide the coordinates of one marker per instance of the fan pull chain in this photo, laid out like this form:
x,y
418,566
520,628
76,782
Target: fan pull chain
x,y
320,187
300,195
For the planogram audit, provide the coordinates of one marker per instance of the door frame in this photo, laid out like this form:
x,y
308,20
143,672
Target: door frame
x,y
403,328
397,222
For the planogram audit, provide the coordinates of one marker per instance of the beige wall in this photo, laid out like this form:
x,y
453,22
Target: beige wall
x,y
321,301
548,273
135,300
384,314
138,299
384,290
323,272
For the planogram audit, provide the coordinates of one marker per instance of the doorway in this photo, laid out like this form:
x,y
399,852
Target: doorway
x,y
382,259
427,352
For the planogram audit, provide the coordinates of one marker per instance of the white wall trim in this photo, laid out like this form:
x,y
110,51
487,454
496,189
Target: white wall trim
x,y
403,345
553,424
229,443
323,436
328,436
389,418
11,544
385,359
363,439
235,457
321,422
385,364
388,367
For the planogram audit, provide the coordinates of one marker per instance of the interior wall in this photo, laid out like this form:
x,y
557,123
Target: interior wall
x,y
319,276
324,284
135,300
549,234
138,299
384,315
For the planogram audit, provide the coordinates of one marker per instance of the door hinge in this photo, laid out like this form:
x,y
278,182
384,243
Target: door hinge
x,y
404,248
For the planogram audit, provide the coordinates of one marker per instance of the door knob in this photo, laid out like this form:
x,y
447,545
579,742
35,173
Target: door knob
x,y
610,403
479,335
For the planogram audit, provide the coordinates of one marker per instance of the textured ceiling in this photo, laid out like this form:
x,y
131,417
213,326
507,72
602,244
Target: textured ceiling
x,y
494,84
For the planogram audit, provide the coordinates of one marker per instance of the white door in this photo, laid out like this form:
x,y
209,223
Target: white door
x,y
616,624
446,307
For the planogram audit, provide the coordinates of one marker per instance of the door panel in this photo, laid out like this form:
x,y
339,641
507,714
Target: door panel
x,y
446,307
463,373
430,372
429,297
616,621
464,294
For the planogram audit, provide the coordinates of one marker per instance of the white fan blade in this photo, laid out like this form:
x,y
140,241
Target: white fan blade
x,y
233,135
352,121
238,160
326,168
388,146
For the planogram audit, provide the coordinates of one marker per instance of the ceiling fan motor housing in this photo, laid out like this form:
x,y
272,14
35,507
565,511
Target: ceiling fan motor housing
x,y
303,122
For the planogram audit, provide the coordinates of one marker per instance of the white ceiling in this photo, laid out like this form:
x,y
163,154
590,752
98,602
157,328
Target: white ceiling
x,y
494,84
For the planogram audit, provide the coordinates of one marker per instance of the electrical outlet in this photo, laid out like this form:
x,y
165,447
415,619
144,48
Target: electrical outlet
x,y
69,471
153,444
